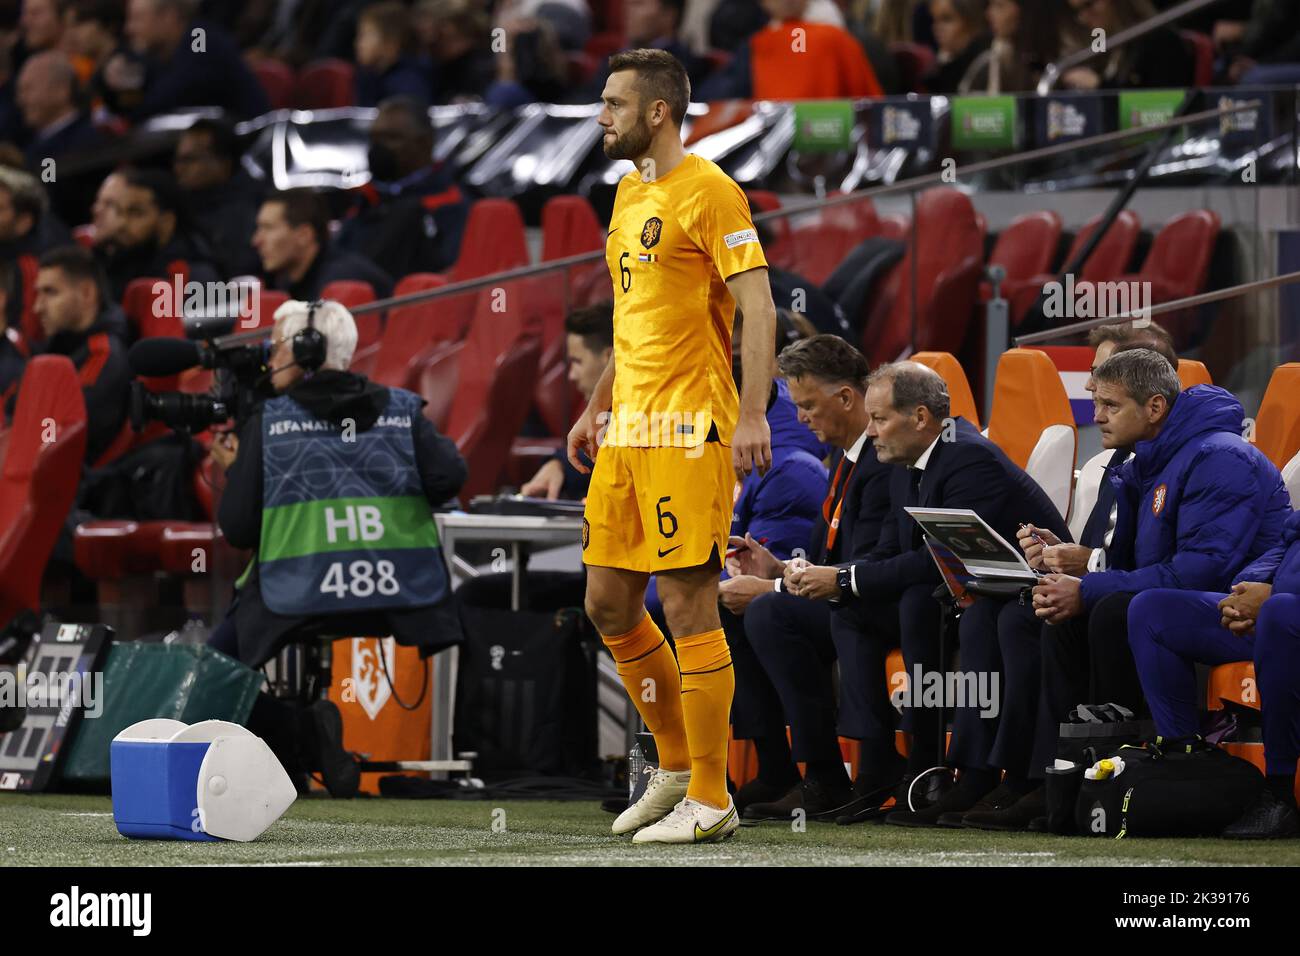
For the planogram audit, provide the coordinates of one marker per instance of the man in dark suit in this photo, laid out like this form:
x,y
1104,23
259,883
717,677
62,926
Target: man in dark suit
x,y
796,639
946,463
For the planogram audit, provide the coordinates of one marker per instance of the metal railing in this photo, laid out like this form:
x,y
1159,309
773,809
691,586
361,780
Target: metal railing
x,y
1176,305
1053,71
814,205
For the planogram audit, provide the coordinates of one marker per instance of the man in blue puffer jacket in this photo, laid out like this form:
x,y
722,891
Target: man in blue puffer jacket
x,y
1171,631
1196,504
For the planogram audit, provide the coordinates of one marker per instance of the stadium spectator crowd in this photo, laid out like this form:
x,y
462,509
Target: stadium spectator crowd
x,y
827,568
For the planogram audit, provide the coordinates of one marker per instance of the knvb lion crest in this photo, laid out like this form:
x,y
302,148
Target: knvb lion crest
x,y
372,687
1158,500
586,534
651,231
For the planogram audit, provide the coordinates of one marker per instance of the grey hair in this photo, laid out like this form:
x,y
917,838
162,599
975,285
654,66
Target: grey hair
x,y
914,385
335,323
1142,373
25,190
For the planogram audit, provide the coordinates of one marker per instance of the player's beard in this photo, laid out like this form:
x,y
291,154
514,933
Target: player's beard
x,y
635,142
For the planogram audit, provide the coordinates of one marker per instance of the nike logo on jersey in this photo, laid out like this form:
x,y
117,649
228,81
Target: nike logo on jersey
x,y
664,554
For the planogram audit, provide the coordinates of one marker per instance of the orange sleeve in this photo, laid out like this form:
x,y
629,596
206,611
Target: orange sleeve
x,y
859,76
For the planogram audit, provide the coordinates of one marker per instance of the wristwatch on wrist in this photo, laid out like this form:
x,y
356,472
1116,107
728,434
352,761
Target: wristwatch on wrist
x,y
844,578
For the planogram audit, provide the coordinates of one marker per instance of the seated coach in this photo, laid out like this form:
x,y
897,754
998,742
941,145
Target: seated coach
x,y
940,462
796,640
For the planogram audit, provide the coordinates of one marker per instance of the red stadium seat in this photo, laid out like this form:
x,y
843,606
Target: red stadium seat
x,y
324,84
949,257
475,383
1177,266
1106,263
351,294
914,61
897,227
569,228
39,477
493,242
412,331
1026,248
1202,49
277,81
603,45
820,248
779,251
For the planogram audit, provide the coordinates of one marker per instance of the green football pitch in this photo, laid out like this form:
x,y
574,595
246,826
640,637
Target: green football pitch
x,y
60,830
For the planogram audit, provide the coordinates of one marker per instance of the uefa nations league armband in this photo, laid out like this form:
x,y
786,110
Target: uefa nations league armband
x,y
345,523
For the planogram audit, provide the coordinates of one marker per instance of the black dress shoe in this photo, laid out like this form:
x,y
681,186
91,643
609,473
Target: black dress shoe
x,y
870,806
1014,818
1267,819
759,790
817,800
957,800
1000,797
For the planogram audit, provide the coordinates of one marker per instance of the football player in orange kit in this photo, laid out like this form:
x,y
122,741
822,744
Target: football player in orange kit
x,y
673,436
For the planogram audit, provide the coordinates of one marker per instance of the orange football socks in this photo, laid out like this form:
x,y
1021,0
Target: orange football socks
x,y
649,673
708,684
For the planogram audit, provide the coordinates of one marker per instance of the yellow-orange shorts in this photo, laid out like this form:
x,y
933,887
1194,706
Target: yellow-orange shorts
x,y
657,509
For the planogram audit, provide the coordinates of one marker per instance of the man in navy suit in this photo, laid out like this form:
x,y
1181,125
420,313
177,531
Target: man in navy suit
x,y
942,462
795,639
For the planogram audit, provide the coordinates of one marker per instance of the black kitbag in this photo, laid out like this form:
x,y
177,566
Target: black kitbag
x,y
1195,791
149,483
526,693
1091,732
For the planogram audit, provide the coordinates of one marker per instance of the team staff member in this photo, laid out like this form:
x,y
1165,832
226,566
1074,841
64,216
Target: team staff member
x,y
683,254
796,639
1171,631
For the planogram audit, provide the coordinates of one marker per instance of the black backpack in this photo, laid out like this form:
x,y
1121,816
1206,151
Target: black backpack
x,y
1192,791
526,693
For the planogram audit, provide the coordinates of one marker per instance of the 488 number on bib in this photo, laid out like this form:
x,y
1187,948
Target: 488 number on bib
x,y
362,580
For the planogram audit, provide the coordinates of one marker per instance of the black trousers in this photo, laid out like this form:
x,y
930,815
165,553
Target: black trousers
x,y
791,640
756,708
1085,660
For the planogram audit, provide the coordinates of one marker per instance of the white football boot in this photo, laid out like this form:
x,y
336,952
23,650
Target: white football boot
x,y
664,791
692,822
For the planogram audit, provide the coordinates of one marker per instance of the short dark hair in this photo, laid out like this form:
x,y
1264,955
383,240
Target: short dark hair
x,y
76,262
1152,335
109,14
659,76
827,357
222,136
392,20
161,185
595,323
1142,373
415,110
914,385
1163,347
303,207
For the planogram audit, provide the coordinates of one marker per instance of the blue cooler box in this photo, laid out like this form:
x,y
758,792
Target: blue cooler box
x,y
213,780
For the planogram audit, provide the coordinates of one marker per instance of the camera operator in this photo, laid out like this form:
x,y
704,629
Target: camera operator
x,y
332,484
